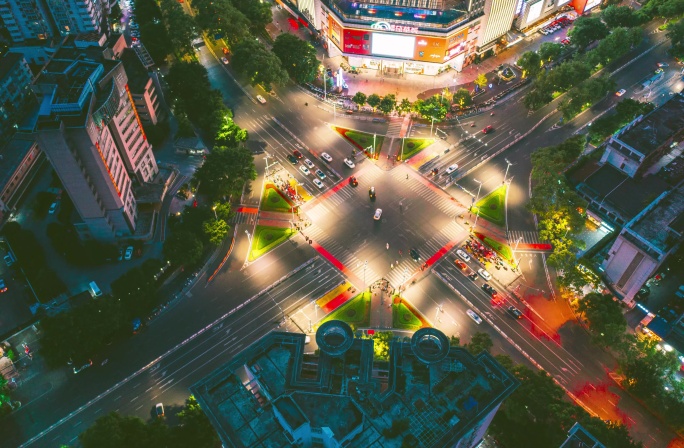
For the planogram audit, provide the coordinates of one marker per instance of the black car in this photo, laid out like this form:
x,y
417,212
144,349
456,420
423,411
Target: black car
x,y
472,276
293,160
371,193
514,312
488,288
414,254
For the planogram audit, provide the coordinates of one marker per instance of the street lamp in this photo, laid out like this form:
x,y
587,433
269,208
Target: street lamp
x,y
215,215
477,197
567,229
249,237
365,265
266,156
508,165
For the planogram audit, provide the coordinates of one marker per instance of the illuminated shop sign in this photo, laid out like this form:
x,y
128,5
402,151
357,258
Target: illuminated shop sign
x,y
386,26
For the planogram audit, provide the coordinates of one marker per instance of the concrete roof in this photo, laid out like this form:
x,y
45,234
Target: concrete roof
x,y
12,155
656,128
655,225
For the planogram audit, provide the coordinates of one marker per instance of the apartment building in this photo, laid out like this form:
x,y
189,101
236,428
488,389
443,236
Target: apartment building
x,y
16,96
142,89
19,160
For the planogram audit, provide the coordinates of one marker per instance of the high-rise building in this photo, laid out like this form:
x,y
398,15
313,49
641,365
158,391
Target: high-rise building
x,y
92,135
42,19
399,37
498,20
428,394
15,93
142,88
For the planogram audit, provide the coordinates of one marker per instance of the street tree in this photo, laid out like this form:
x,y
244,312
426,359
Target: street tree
x,y
540,95
183,27
297,57
216,230
433,108
359,99
617,16
156,40
258,13
568,74
617,44
373,100
480,80
388,103
136,289
194,428
676,35
550,51
587,30
671,8
225,171
223,210
605,317
220,17
183,248
531,64
404,106
114,430
480,342
230,134
262,67
463,98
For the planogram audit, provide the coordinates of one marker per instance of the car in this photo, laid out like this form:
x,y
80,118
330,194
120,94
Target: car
x,y
159,410
325,156
261,99
663,64
225,50
349,112
297,154
371,193
565,42
308,163
9,260
484,274
129,253
659,71
135,33
378,214
414,254
513,311
461,265
488,129
304,170
620,92
224,60
464,256
349,163
320,174
472,276
293,160
451,169
543,31
319,184
488,288
353,181
53,208
3,288
473,315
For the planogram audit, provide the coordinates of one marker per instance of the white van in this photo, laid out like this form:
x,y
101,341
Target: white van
x,y
94,290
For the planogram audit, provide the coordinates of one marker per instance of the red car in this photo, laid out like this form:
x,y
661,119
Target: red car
x,y
461,265
297,154
487,130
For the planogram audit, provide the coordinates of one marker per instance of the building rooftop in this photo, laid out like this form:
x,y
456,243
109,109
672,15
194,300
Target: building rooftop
x,y
12,154
656,225
135,70
627,195
8,62
443,392
656,128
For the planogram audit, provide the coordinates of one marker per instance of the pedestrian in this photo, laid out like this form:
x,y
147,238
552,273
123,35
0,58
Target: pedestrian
x,y
407,177
387,246
391,266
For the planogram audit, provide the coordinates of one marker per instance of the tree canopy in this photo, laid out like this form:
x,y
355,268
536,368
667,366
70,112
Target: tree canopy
x,y
435,107
586,30
220,17
463,98
531,63
297,57
262,67
225,171
605,317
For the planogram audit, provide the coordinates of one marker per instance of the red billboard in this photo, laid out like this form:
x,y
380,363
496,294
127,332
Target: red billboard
x,y
356,41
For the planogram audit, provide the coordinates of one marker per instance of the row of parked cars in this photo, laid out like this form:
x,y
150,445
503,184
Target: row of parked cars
x,y
556,25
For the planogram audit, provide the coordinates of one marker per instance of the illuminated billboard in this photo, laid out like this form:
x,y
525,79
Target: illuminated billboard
x,y
357,41
393,45
535,12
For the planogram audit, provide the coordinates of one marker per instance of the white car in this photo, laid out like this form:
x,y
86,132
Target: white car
x,y
378,214
620,92
261,99
304,170
159,410
473,315
129,253
319,184
464,256
349,163
484,274
53,208
308,163
451,168
325,156
224,60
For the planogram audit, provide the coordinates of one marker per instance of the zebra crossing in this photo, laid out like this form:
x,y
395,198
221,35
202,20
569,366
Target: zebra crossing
x,y
407,266
241,218
394,128
342,254
441,201
525,236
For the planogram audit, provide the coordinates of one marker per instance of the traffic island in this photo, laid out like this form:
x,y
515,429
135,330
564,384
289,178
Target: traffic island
x,y
411,147
356,312
406,317
301,191
273,200
504,250
267,238
362,141
493,206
